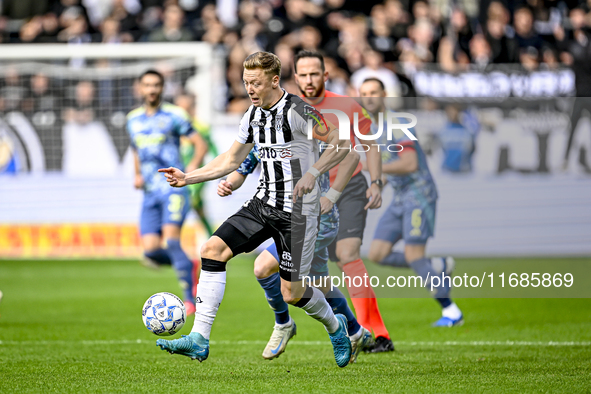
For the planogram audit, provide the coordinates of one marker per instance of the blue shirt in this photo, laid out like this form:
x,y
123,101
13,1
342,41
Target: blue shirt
x,y
457,142
156,140
411,189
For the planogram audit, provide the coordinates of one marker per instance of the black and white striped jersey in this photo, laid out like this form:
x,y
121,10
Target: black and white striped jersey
x,y
286,153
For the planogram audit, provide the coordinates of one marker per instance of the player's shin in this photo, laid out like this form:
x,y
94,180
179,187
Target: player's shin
x,y
364,299
425,270
272,287
394,259
316,306
160,256
183,267
210,293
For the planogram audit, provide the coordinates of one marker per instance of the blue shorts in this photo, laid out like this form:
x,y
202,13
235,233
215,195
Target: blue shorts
x,y
326,235
414,224
159,209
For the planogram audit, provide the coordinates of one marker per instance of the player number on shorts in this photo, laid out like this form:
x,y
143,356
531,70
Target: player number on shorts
x,y
175,206
415,221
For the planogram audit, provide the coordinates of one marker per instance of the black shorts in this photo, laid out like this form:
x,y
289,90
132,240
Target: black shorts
x,y
294,235
352,214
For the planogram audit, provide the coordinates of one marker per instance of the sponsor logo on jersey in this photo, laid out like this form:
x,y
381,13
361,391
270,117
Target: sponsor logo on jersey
x,y
257,123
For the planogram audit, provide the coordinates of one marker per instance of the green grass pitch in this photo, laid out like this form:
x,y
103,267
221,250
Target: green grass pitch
x,y
75,326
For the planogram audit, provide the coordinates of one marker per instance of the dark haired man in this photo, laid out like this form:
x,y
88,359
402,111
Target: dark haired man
x,y
155,129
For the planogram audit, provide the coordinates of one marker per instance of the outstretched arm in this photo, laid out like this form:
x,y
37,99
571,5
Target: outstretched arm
x,y
217,168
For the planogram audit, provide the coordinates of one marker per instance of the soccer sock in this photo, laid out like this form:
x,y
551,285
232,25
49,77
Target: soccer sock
x,y
394,259
452,311
183,267
272,287
315,305
364,300
209,295
444,302
159,255
338,303
425,269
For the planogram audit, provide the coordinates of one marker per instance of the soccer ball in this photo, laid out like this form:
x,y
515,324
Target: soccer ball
x,y
164,314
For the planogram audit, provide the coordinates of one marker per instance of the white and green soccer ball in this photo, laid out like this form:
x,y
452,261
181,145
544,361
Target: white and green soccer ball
x,y
164,314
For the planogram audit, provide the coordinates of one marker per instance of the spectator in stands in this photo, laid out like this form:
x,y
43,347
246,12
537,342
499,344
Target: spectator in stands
x,y
110,32
41,98
526,36
457,142
76,31
128,23
422,35
172,29
374,68
30,30
529,58
397,18
80,109
337,77
380,34
460,31
13,92
50,25
300,13
504,48
575,46
480,52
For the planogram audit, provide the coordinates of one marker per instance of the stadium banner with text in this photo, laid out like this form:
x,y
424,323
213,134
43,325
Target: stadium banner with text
x,y
76,240
495,82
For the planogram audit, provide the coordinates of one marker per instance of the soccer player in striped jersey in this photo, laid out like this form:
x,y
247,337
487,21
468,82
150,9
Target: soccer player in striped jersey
x,y
411,214
266,266
285,207
155,130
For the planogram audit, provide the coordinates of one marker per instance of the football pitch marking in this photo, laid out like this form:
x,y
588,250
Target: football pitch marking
x,y
303,343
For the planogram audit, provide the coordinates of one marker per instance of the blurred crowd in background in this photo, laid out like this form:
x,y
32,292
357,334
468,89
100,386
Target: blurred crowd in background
x,y
390,39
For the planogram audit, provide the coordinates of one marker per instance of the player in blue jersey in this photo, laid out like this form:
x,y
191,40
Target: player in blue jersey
x,y
155,130
411,214
266,266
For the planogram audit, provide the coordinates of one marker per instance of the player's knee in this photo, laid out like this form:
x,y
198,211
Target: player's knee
x,y
348,250
216,249
376,255
413,253
347,256
262,270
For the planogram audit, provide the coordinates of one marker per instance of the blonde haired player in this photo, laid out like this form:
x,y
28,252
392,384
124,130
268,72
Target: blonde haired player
x,y
285,206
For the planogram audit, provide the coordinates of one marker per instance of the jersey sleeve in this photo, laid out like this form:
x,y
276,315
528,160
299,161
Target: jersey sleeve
x,y
301,113
250,163
131,140
245,135
184,126
401,138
